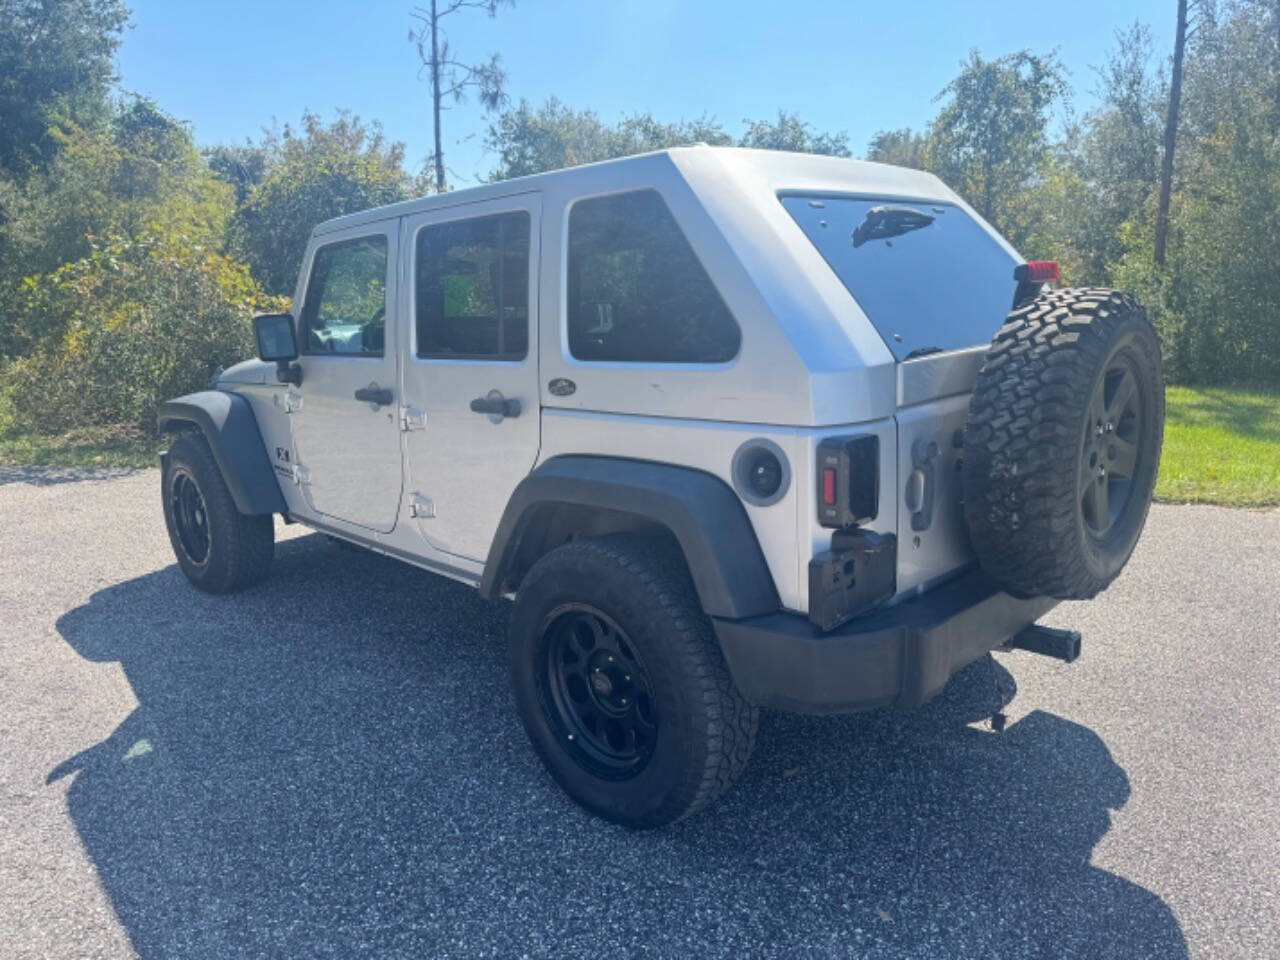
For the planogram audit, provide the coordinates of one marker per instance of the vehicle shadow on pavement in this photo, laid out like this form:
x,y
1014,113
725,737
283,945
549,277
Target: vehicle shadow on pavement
x,y
329,763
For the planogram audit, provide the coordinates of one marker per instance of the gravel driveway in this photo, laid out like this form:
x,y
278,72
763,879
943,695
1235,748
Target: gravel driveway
x,y
328,764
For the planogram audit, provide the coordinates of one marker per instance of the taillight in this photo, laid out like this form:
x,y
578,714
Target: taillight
x,y
1036,271
848,480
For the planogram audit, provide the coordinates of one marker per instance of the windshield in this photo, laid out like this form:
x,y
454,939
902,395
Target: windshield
x,y
927,275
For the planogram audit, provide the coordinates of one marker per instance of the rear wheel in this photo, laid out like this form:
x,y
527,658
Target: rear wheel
x,y
218,548
620,683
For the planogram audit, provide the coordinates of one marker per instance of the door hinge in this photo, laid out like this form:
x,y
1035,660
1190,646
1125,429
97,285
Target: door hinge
x,y
292,401
301,475
412,418
421,507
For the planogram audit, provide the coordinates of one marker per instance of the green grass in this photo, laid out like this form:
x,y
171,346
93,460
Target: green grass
x,y
1221,446
86,447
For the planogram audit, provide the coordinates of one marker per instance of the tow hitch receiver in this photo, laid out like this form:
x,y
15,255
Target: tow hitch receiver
x,y
1062,645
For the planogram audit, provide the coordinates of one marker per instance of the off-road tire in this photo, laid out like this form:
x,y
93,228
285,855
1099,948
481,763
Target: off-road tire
x,y
1031,434
705,729
239,548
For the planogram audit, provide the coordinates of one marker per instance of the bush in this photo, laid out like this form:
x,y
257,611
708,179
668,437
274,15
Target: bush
x,y
133,323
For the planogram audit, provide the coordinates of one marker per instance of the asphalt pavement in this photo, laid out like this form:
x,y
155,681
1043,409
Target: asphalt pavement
x,y
329,764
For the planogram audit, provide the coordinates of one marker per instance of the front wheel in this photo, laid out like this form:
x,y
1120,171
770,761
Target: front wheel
x,y
220,549
620,683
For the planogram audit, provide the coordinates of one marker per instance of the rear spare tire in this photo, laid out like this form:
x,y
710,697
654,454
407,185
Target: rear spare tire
x,y
1063,442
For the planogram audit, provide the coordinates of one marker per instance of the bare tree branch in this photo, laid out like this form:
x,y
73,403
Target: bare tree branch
x,y
450,78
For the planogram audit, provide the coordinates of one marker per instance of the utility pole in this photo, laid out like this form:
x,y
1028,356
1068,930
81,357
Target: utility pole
x,y
1170,136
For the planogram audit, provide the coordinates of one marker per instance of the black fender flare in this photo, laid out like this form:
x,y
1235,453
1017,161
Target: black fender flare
x,y
700,511
229,427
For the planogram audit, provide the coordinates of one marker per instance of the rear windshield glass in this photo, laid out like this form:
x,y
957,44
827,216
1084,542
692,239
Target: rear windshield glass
x,y
926,274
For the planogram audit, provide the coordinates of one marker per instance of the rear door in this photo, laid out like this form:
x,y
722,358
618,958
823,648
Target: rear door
x,y
471,367
346,437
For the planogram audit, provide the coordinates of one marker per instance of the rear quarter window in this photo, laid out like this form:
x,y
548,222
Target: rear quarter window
x,y
927,275
637,291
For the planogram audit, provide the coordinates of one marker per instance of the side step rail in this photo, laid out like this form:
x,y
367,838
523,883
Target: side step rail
x,y
1062,645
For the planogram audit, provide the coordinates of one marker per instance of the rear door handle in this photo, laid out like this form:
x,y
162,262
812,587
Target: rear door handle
x,y
374,394
495,405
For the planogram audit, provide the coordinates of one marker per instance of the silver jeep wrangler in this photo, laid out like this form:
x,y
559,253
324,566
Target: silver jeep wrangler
x,y
734,429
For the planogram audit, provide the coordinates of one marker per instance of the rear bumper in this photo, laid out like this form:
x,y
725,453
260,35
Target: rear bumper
x,y
898,656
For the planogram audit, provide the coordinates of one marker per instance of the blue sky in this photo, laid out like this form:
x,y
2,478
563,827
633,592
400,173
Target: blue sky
x,y
231,67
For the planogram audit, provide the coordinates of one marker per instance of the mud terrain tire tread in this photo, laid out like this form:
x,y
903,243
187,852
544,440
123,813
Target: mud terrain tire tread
x,y
1024,440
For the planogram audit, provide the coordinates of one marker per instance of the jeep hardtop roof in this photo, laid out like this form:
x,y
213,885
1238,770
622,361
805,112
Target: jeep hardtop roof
x,y
774,170
811,355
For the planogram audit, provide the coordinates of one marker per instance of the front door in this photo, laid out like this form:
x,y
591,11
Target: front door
x,y
346,434
471,368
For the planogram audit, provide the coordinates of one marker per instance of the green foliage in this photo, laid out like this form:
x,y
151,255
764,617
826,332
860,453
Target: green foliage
x,y
55,67
138,173
555,136
321,172
990,141
134,322
1217,301
243,166
901,148
1116,158
789,132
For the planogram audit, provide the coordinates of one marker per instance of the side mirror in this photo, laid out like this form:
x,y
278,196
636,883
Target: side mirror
x,y
276,342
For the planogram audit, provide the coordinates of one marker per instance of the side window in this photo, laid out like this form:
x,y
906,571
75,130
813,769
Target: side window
x,y
473,288
637,291
345,311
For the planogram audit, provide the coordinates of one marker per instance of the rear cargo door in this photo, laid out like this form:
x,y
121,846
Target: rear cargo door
x,y
936,284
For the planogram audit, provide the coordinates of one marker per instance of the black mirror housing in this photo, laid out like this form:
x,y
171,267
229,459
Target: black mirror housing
x,y
275,336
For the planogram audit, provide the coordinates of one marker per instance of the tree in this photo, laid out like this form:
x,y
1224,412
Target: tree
x,y
989,141
55,64
1215,300
901,148
320,172
449,77
1105,171
138,320
554,136
245,165
139,172
789,132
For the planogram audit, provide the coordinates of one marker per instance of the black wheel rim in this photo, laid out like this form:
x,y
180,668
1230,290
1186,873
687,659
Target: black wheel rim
x,y
190,517
1112,448
597,692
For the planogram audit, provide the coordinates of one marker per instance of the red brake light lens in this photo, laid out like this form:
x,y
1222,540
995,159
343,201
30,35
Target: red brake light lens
x,y
1037,271
829,487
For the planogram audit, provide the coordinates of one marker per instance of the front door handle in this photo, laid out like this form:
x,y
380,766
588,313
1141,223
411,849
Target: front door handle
x,y
496,405
374,394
